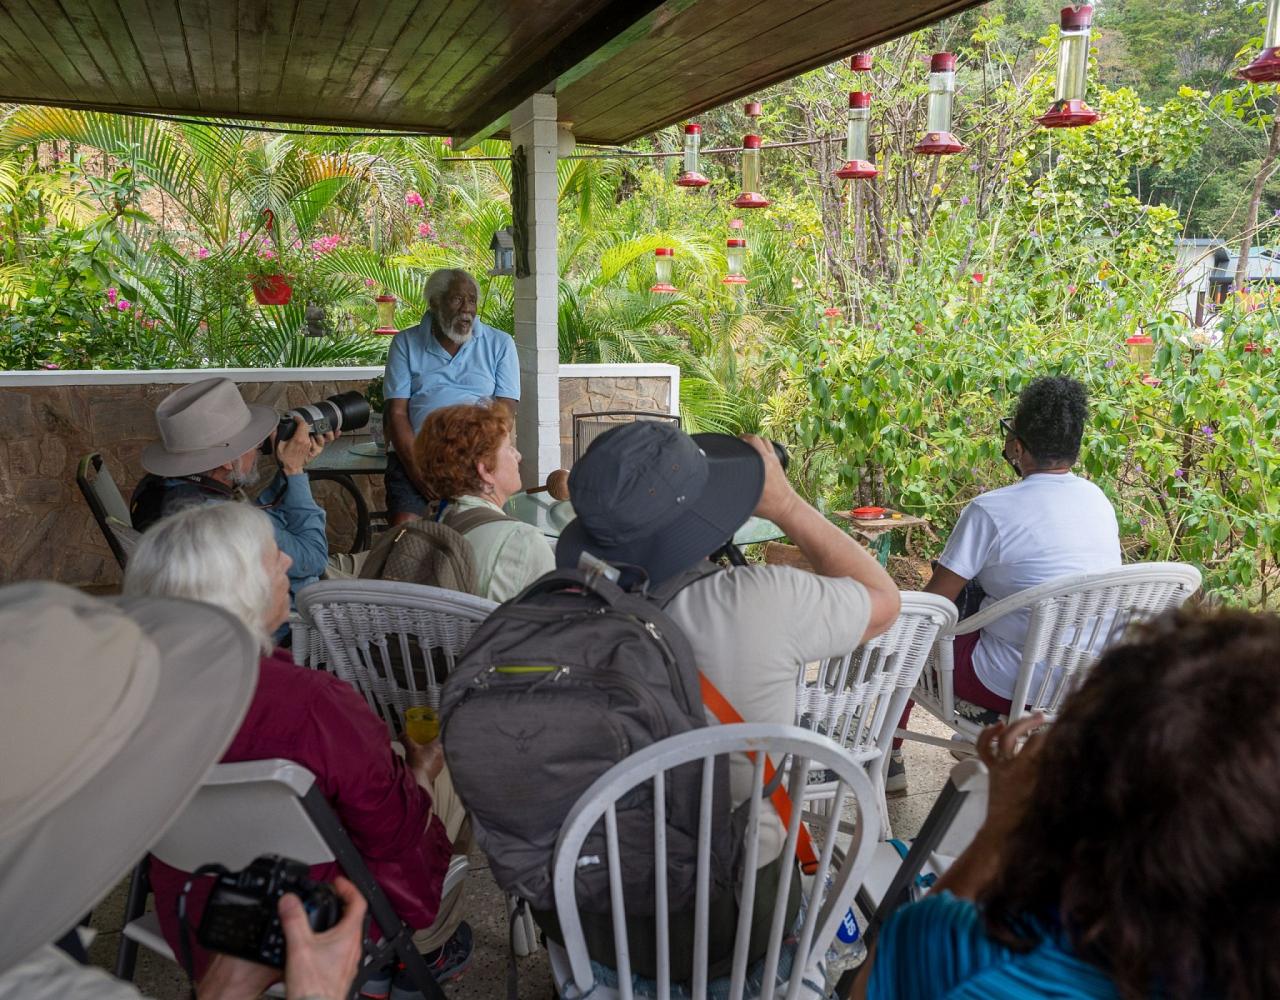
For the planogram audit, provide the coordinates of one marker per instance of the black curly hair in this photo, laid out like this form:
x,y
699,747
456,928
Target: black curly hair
x,y
1049,420
1151,836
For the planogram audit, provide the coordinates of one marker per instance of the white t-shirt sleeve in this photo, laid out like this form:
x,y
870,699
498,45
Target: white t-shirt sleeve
x,y
822,616
974,543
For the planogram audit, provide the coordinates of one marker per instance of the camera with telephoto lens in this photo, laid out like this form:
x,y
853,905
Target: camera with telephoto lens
x,y
241,917
784,457
345,411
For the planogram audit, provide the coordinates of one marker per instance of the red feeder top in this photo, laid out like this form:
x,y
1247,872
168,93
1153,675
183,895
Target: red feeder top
x,y
752,109
692,129
750,142
942,62
735,243
1076,18
859,99
831,311
1139,338
860,62
664,252
385,298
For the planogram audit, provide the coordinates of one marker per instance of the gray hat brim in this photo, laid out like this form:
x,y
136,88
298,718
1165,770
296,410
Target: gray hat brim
x,y
53,871
159,461
735,481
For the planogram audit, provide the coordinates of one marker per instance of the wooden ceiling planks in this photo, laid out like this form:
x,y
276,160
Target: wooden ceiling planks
x,y
453,67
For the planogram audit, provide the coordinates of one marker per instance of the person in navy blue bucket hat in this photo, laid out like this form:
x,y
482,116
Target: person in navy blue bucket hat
x,y
649,495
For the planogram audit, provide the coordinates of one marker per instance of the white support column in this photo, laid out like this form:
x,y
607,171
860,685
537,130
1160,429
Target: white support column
x,y
533,126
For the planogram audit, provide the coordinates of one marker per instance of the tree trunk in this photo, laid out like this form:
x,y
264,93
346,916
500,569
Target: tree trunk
x,y
1260,179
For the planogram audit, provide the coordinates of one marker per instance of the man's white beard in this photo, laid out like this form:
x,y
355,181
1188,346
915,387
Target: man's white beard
x,y
460,336
244,480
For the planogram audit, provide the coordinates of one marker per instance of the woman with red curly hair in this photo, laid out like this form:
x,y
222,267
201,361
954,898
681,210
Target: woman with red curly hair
x,y
469,463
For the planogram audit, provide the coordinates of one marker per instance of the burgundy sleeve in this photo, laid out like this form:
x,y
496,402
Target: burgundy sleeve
x,y
385,811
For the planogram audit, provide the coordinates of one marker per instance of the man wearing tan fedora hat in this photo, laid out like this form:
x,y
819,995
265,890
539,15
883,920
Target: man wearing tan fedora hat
x,y
208,452
96,763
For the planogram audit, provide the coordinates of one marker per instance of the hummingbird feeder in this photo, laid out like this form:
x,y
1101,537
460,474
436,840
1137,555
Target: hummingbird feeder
x,y
858,163
691,177
938,140
1069,109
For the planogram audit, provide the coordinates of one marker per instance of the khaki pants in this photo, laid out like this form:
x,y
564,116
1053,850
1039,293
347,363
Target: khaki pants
x,y
447,809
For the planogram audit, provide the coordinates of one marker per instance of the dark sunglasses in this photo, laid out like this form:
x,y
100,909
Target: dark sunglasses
x,y
1006,425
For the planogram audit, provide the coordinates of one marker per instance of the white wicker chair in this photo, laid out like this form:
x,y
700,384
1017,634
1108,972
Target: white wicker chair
x,y
361,622
857,699
1070,619
571,965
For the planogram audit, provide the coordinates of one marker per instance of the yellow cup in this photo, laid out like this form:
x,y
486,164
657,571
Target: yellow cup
x,y
421,723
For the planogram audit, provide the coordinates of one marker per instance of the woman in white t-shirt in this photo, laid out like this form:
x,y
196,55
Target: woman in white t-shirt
x,y
1050,524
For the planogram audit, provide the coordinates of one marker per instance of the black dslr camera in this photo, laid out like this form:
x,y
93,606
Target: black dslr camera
x,y
345,411
242,919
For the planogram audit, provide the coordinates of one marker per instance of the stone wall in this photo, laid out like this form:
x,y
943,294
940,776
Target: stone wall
x,y
47,529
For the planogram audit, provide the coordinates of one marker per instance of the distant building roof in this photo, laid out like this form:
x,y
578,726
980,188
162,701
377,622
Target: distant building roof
x,y
1264,266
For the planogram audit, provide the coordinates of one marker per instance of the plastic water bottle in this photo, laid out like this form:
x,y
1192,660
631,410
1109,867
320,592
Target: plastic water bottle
x,y
848,951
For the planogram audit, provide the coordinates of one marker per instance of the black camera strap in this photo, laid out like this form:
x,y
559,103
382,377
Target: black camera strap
x,y
185,955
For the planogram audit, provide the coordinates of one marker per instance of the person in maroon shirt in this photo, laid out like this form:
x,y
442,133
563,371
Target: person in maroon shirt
x,y
401,814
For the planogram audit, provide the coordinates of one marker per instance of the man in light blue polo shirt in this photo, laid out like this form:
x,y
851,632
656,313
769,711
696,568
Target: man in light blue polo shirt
x,y
450,357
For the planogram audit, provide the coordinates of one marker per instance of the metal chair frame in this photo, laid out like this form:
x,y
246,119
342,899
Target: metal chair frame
x,y
108,506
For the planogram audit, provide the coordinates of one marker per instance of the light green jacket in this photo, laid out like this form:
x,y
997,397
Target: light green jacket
x,y
510,555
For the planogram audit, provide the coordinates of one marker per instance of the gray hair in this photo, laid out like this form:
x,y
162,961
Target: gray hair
x,y
442,279
213,553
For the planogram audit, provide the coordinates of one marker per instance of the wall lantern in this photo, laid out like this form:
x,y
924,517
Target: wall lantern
x,y
750,196
1266,68
691,177
938,140
735,252
860,62
662,268
503,246
1069,109
386,316
1141,349
858,163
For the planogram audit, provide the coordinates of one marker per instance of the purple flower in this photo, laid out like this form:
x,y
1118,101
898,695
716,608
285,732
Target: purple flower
x,y
1142,522
1111,363
974,166
1252,442
1179,473
964,199
1207,431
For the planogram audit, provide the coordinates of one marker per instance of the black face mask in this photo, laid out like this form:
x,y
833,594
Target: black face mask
x,y
1004,453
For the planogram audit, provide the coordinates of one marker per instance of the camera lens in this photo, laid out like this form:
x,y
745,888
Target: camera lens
x,y
784,457
345,411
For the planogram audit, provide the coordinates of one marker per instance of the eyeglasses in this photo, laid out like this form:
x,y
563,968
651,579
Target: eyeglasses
x,y
1006,425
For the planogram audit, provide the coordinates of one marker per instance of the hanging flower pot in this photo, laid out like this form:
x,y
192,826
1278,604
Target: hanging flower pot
x,y
938,140
1069,109
271,289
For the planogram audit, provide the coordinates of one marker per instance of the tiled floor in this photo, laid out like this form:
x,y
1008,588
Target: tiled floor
x,y
927,769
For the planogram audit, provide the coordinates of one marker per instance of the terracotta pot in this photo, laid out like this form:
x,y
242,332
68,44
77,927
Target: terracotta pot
x,y
271,289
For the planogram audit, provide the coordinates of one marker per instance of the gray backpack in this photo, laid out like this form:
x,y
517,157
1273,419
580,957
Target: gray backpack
x,y
559,684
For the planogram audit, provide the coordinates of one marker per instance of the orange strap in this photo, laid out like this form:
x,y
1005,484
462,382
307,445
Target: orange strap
x,y
719,706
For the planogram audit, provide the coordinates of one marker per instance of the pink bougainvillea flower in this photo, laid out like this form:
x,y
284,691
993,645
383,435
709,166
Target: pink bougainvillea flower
x,y
50,366
123,305
202,253
112,294
979,278
448,142
413,199
370,283
425,230
1071,289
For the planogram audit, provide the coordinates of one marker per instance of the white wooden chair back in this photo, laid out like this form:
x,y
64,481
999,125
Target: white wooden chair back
x,y
1071,620
857,699
361,622
242,811
650,765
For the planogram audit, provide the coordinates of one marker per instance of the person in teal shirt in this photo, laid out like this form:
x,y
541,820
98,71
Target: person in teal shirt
x,y
1132,849
449,357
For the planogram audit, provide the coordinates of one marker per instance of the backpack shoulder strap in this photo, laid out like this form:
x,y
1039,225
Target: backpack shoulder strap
x,y
465,521
667,592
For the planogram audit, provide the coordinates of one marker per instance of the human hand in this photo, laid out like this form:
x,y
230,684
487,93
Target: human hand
x,y
323,965
229,978
778,498
426,760
1011,772
294,453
